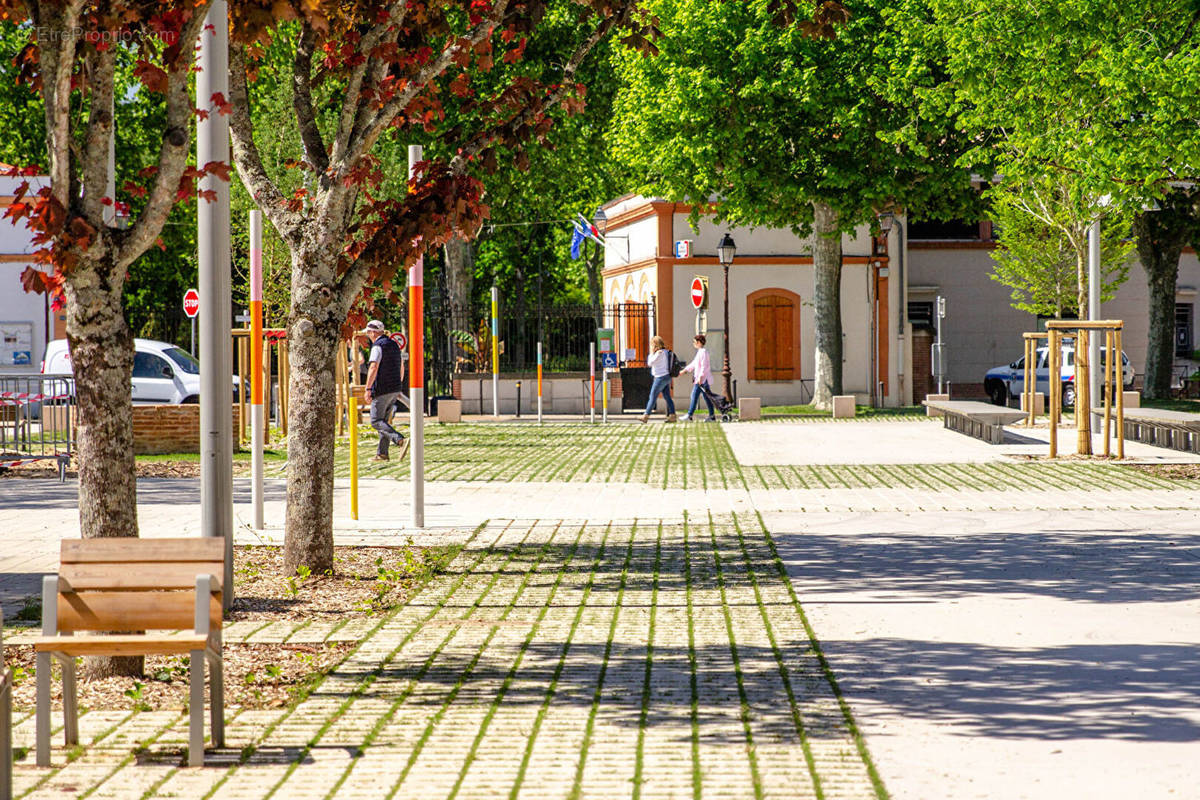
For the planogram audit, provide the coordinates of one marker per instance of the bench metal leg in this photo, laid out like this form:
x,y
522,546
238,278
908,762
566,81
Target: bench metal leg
x,y
43,709
196,711
70,701
216,697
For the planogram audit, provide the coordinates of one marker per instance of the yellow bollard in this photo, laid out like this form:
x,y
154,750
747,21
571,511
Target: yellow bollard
x,y
353,457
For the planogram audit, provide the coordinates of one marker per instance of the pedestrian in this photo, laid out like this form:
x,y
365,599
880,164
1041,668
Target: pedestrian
x,y
701,370
660,373
385,379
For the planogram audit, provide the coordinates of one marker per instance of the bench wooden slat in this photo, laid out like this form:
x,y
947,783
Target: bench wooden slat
x,y
159,576
1163,415
132,611
135,550
121,645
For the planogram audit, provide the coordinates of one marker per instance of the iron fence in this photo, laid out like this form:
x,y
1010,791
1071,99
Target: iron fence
x,y
37,419
459,339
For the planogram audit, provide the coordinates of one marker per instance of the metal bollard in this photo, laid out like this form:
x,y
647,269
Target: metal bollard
x,y
518,399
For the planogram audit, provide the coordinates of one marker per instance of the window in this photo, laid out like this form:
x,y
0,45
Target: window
x,y
956,230
148,365
920,314
1183,330
184,360
774,346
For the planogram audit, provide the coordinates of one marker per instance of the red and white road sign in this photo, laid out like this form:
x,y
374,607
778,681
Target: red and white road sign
x,y
191,302
697,293
400,339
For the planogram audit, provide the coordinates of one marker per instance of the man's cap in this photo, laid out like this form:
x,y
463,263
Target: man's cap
x,y
374,325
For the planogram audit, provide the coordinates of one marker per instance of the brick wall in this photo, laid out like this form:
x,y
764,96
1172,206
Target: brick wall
x,y
922,365
170,429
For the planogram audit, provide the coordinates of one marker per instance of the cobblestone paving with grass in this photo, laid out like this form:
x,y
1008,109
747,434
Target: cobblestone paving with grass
x,y
697,456
551,660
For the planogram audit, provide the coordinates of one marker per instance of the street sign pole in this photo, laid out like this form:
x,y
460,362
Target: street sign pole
x,y
212,236
592,373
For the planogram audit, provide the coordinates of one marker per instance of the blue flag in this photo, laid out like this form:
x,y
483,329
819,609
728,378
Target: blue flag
x,y
576,242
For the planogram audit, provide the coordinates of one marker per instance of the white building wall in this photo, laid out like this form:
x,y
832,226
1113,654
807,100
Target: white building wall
x,y
24,317
982,329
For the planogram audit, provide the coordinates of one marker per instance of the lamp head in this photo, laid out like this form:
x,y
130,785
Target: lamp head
x,y
886,220
600,220
726,250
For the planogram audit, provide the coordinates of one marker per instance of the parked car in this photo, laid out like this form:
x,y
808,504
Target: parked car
x,y
1004,383
162,372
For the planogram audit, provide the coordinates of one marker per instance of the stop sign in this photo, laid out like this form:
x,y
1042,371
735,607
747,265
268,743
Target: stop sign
x,y
697,293
191,302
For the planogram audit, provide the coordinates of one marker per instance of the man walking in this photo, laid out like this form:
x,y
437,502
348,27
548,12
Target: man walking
x,y
385,379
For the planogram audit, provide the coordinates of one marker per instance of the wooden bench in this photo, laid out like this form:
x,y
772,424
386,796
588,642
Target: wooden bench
x,y
1177,430
6,753
168,588
981,420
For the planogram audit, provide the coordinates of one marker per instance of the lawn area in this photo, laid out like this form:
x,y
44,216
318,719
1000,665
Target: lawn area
x,y
698,456
809,412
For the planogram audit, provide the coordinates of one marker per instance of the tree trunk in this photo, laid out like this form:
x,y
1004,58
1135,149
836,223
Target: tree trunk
x,y
827,279
313,333
460,272
1159,247
102,357
1081,285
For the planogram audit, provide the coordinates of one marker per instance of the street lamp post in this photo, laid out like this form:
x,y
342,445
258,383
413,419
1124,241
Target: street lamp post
x,y
886,220
725,253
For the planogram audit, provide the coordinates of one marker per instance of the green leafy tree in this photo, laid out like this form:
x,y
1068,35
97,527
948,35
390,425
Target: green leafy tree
x,y
786,129
1106,91
1043,247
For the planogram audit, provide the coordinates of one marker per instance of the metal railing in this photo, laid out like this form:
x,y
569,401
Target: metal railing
x,y
37,419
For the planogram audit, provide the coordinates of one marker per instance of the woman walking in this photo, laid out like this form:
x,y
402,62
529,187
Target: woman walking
x,y
660,371
701,371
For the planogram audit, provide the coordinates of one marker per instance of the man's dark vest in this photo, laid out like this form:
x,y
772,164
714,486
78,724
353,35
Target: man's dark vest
x,y
388,377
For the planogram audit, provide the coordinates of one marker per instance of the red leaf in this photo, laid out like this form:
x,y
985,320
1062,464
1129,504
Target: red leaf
x,y
154,78
218,168
222,104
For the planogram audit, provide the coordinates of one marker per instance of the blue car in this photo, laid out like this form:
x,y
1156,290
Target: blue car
x,y
1003,384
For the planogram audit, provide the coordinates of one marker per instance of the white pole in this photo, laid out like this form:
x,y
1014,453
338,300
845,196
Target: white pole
x,y
592,373
416,362
256,410
1094,307
216,349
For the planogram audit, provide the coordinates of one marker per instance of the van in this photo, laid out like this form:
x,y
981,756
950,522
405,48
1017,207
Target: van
x,y
162,373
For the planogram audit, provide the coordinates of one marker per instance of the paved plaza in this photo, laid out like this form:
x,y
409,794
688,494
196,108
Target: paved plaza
x,y
710,628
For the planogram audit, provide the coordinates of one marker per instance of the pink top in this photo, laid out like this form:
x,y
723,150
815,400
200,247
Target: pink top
x,y
700,368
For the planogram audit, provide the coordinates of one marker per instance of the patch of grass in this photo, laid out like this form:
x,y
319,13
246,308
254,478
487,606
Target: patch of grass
x,y
1189,406
860,412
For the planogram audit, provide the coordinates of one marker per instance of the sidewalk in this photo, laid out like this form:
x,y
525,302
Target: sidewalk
x,y
1002,638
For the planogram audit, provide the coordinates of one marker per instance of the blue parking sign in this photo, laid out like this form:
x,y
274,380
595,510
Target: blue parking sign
x,y
608,360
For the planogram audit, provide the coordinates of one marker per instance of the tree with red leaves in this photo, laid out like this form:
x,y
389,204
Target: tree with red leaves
x,y
71,59
361,72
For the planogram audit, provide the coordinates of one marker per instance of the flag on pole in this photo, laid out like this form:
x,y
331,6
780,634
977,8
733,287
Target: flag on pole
x,y
576,241
584,229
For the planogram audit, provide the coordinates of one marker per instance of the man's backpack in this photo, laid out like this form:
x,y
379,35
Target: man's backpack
x,y
677,364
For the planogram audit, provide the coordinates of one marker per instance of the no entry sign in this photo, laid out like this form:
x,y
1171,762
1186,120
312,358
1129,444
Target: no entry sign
x,y
400,339
191,303
699,289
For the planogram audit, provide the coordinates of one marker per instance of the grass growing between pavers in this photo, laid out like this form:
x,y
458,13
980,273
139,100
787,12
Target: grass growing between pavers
x,y
550,661
698,456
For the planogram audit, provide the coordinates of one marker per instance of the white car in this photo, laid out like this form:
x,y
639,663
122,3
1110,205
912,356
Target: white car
x,y
162,372
1003,383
